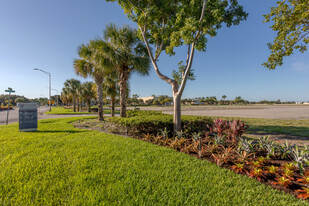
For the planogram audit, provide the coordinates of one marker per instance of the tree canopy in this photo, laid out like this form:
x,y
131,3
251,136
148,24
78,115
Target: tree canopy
x,y
291,22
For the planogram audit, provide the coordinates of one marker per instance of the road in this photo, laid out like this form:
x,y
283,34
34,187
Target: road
x,y
250,111
13,115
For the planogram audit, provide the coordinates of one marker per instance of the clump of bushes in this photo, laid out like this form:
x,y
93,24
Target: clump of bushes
x,y
143,122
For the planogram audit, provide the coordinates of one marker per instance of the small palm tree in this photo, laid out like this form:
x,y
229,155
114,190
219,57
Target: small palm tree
x,y
127,54
111,89
87,93
92,63
72,86
224,97
65,96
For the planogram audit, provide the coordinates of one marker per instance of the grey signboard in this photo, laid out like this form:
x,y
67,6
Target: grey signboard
x,y
28,117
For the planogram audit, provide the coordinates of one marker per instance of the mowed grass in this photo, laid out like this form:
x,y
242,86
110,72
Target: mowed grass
x,y
288,127
61,110
60,165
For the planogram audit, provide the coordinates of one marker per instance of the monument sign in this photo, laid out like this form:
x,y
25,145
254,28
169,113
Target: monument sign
x,y
28,117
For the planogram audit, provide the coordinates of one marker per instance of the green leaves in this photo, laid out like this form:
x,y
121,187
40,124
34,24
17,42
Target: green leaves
x,y
176,23
291,22
178,75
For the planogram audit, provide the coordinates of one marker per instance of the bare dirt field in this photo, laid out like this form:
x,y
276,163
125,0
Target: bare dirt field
x,y
249,111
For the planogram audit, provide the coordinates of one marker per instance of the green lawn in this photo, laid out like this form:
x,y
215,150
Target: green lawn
x,y
61,110
60,165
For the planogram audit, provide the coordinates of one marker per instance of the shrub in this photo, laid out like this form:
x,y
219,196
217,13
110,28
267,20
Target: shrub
x,y
232,130
143,122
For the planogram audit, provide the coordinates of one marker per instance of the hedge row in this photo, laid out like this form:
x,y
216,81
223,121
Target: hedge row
x,y
143,122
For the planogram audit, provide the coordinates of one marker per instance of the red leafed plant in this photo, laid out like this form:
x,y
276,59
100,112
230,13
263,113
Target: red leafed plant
x,y
304,193
236,129
239,168
305,178
243,156
148,137
289,166
219,126
256,164
257,173
283,181
272,170
288,173
223,157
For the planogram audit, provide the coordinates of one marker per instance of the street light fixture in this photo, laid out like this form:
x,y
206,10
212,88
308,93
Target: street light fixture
x,y
49,74
57,94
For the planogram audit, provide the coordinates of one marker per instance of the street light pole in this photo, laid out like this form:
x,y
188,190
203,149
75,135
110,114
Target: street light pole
x,y
57,94
49,74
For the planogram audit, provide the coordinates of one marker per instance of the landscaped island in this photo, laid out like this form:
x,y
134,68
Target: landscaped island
x,y
61,164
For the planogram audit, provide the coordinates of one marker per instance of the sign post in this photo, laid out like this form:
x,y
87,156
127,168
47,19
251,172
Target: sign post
x,y
28,117
9,90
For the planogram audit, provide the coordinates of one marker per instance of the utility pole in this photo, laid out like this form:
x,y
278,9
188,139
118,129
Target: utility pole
x,y
49,74
9,90
57,94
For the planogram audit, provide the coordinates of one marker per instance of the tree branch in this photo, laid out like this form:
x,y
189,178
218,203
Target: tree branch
x,y
136,6
161,76
189,63
159,49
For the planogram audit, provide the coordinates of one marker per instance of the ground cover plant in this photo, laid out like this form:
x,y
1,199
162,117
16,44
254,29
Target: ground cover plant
x,y
62,110
60,165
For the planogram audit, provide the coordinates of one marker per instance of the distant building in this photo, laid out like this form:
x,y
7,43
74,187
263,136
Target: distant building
x,y
147,98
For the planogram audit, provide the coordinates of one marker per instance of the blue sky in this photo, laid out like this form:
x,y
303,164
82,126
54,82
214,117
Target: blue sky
x,y
46,34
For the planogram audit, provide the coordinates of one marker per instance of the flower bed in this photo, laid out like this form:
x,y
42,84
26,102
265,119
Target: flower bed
x,y
282,167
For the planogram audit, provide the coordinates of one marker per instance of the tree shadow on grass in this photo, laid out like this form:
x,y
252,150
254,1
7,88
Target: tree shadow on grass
x,y
301,132
60,131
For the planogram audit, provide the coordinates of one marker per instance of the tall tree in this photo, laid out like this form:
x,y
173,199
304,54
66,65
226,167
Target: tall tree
x,y
65,96
112,90
87,93
291,22
128,54
93,64
72,86
224,97
167,24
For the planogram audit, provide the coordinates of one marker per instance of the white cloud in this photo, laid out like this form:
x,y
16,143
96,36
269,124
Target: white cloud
x,y
302,67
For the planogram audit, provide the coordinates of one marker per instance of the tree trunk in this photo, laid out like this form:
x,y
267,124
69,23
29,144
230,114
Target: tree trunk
x,y
88,105
113,106
99,83
78,104
177,112
74,104
124,75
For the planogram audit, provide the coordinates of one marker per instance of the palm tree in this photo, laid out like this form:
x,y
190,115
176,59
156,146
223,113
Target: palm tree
x,y
93,64
65,96
224,97
87,93
72,86
111,89
128,54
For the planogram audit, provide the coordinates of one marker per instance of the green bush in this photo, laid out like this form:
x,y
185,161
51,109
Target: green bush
x,y
143,122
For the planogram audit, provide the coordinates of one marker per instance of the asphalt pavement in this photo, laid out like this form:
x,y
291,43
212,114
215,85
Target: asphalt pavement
x,y
13,115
